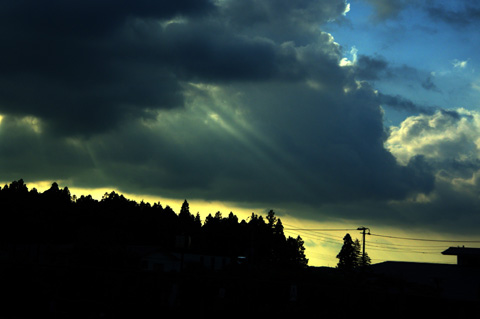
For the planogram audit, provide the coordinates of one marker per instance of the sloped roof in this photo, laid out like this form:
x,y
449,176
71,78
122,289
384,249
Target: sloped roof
x,y
462,251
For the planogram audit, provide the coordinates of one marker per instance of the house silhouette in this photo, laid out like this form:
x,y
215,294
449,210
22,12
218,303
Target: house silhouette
x,y
448,282
465,256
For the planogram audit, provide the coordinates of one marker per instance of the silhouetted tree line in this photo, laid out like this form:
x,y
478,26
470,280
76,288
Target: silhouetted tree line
x,y
101,229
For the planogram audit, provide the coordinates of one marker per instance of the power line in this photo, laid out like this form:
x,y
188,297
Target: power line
x,y
402,250
312,234
318,229
315,234
408,246
320,236
424,239
384,236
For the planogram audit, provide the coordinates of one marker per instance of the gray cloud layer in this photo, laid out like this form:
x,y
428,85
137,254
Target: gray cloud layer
x,y
83,66
86,65
243,101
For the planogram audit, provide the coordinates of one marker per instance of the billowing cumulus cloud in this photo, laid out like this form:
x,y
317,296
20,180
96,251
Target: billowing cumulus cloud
x,y
449,141
446,136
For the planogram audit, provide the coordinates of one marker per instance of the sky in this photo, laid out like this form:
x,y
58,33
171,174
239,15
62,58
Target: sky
x,y
335,114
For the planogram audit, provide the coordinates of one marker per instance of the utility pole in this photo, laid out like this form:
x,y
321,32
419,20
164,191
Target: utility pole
x,y
364,232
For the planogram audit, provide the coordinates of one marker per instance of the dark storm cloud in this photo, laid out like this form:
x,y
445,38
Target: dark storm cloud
x,y
283,20
26,152
90,18
399,102
243,101
292,144
461,14
86,66
73,64
371,68
377,68
429,85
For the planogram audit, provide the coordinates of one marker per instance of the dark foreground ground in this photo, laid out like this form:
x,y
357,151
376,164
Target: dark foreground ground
x,y
32,291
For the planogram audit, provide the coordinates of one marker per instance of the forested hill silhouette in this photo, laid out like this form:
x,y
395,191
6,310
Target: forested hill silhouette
x,y
101,229
67,257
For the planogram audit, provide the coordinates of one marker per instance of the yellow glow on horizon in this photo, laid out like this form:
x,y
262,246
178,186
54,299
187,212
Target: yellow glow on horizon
x,y
203,207
322,240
